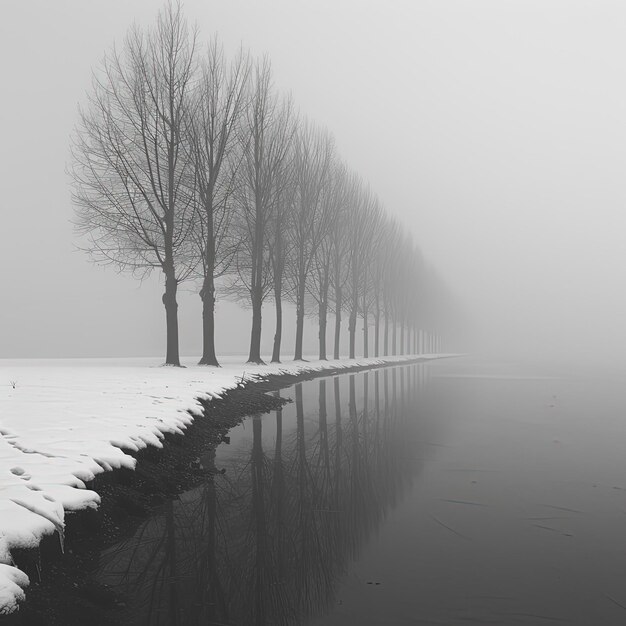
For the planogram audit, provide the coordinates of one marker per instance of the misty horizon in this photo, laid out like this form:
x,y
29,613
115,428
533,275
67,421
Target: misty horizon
x,y
494,131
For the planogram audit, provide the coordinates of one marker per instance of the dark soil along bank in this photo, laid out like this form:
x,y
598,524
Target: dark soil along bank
x,y
60,591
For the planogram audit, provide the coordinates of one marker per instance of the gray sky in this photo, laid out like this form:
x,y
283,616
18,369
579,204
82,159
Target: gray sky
x,y
495,129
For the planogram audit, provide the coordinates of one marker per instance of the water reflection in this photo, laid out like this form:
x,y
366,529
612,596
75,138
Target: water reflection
x,y
267,540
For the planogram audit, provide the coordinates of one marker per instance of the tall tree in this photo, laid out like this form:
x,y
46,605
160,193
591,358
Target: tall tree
x,y
313,158
265,138
371,240
386,244
339,249
219,103
362,214
279,244
332,198
130,170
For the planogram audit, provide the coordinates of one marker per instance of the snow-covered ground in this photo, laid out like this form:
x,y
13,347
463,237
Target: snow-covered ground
x,y
64,420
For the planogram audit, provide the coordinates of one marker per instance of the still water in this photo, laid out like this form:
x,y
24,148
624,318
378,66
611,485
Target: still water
x,y
449,493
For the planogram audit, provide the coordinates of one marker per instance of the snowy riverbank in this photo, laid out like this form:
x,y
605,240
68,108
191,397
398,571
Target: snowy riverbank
x,y
62,421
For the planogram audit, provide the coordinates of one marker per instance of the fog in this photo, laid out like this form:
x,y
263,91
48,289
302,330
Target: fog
x,y
494,129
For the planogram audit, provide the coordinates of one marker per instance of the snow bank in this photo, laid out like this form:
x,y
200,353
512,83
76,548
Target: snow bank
x,y
64,420
12,582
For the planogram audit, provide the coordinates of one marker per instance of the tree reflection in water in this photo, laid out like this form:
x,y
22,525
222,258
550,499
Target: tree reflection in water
x,y
266,542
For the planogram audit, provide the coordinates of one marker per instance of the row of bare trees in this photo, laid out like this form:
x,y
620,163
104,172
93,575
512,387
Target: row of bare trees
x,y
191,163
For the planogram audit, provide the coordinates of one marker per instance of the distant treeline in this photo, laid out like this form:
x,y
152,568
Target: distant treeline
x,y
191,162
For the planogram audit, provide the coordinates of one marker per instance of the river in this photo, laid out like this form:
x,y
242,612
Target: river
x,y
453,492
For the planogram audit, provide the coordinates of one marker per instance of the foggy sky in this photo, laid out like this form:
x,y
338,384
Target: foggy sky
x,y
494,129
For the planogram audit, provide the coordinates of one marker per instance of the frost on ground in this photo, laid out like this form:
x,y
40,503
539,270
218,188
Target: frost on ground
x,y
64,420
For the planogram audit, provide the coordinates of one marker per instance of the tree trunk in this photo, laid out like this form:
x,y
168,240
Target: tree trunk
x,y
278,289
256,285
393,338
377,331
401,338
338,305
299,320
365,335
279,321
207,293
323,311
255,334
386,331
365,318
352,330
172,356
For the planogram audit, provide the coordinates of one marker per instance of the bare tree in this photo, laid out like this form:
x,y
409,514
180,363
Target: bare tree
x,y
328,251
220,101
371,240
265,138
313,158
386,275
362,216
279,244
340,241
130,171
